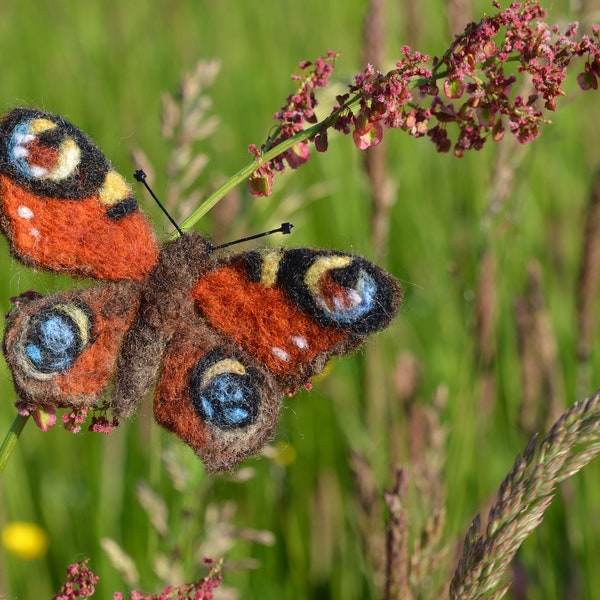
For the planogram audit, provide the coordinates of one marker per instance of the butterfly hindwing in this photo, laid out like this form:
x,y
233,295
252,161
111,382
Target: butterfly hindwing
x,y
216,398
62,205
62,348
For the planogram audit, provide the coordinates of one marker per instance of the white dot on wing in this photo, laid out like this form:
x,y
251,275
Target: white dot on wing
x,y
300,342
24,138
37,171
24,212
280,353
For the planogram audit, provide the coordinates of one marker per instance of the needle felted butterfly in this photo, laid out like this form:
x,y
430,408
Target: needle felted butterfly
x,y
227,336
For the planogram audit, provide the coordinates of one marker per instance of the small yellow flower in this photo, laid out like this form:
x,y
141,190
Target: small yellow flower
x,y
27,541
285,454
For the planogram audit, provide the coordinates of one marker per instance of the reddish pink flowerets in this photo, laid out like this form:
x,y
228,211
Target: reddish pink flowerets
x,y
44,416
80,583
200,590
477,73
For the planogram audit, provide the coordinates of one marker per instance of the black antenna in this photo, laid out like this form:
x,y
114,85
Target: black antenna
x,y
141,177
285,228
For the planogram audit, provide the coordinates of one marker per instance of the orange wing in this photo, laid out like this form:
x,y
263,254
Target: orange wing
x,y
62,205
216,398
62,349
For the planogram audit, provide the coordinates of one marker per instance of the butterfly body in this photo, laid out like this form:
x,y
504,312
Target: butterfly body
x,y
224,337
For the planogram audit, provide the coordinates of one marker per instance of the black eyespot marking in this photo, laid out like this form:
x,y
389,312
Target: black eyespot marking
x,y
49,155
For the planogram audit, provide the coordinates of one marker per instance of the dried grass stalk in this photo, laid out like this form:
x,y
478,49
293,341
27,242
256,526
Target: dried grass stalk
x,y
589,275
369,509
542,382
523,498
397,560
458,12
381,185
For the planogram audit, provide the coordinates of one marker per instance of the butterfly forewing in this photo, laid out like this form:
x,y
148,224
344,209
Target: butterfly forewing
x,y
62,205
293,309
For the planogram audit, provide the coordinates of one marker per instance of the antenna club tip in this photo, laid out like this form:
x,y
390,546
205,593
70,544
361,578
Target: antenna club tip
x,y
139,175
286,228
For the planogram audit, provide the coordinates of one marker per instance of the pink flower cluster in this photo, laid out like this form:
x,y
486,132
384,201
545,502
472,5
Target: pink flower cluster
x,y
100,423
298,110
81,580
44,416
472,93
73,420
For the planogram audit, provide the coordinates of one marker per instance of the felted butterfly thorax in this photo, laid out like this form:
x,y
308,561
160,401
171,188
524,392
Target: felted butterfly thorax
x,y
225,336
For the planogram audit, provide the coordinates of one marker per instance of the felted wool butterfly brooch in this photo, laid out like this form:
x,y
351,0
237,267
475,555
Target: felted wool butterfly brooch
x,y
225,336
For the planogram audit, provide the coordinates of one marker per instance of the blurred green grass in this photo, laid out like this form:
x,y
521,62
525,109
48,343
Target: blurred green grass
x,y
104,65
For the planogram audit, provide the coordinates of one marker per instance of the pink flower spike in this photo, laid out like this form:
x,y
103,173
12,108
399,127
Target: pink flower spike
x,y
44,417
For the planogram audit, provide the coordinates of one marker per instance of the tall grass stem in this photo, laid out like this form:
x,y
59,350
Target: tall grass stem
x,y
11,439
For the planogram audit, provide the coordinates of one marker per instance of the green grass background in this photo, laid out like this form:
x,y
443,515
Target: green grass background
x,y
104,65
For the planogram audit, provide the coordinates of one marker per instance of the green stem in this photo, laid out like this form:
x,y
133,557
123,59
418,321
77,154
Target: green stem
x,y
246,171
10,441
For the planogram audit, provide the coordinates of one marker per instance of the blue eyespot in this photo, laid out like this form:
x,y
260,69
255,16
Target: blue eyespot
x,y
224,392
56,337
